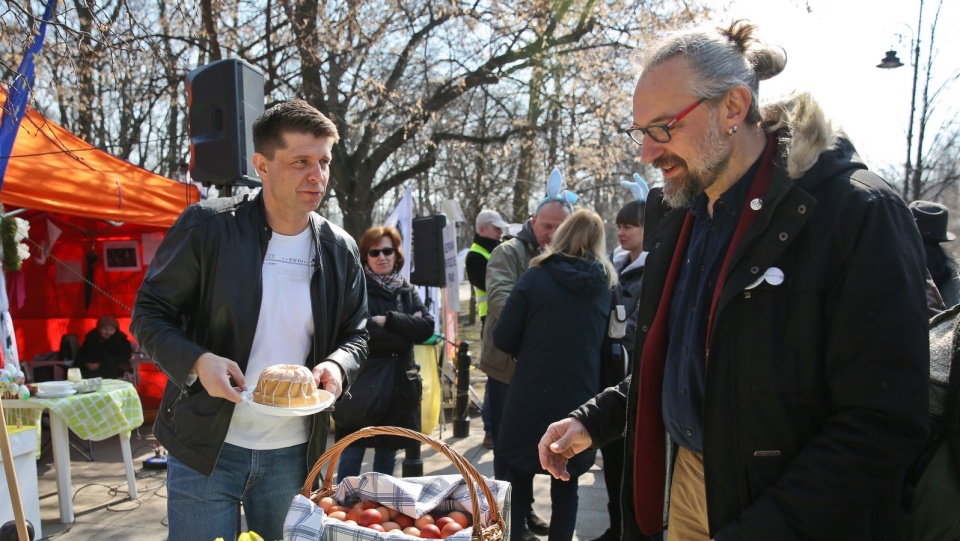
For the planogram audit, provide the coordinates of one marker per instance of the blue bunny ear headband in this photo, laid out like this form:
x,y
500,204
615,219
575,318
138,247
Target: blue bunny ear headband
x,y
638,187
554,193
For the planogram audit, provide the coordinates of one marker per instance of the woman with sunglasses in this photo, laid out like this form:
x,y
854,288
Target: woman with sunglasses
x,y
398,320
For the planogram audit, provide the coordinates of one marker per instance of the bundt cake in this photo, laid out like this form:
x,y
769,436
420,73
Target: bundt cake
x,y
286,386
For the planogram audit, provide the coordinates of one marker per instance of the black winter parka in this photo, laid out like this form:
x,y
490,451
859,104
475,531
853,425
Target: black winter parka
x,y
816,388
553,323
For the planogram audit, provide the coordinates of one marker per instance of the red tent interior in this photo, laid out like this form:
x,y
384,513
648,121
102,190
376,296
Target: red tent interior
x,y
90,260
110,214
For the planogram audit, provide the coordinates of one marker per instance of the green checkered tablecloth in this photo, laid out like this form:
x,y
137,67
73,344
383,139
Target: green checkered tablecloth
x,y
96,416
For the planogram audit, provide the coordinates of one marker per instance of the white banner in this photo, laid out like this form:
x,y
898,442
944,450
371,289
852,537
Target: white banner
x,y
53,233
402,219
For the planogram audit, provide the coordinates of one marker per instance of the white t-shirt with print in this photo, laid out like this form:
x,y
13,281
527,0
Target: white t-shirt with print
x,y
283,336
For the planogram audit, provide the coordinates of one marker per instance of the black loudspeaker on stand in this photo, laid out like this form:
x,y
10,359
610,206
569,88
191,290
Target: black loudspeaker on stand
x,y
223,100
428,263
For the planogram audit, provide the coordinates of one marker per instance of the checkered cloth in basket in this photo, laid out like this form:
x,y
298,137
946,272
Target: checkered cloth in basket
x,y
413,496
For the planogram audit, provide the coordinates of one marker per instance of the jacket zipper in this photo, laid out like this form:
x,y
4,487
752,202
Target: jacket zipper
x,y
317,328
180,396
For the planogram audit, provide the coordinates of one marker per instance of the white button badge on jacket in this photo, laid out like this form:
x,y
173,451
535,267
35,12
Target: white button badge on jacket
x,y
773,276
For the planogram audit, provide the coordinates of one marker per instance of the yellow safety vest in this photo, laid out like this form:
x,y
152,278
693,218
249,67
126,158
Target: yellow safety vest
x,y
481,294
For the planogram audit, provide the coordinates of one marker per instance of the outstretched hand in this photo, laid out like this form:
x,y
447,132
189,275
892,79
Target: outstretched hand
x,y
215,373
559,443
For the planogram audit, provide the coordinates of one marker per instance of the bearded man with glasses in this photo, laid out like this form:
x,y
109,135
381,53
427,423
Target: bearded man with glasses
x,y
780,389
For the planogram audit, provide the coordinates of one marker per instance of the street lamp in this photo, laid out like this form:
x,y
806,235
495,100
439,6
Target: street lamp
x,y
890,61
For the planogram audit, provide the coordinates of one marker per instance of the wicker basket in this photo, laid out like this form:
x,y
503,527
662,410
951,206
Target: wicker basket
x,y
491,532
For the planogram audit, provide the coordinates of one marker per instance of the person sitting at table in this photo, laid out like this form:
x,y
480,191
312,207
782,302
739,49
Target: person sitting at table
x,y
105,351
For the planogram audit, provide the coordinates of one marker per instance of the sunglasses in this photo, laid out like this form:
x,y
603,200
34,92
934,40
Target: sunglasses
x,y
385,251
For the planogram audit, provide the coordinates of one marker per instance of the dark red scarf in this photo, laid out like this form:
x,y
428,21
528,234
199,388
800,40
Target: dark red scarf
x,y
649,459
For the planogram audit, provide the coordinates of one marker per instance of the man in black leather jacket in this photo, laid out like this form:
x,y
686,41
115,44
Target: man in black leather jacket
x,y
236,285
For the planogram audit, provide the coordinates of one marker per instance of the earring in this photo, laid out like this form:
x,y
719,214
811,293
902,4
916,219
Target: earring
x,y
732,130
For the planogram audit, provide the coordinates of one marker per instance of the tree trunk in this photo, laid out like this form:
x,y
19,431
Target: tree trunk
x,y
209,19
87,90
525,169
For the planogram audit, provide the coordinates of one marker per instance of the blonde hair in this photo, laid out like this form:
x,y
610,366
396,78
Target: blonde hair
x,y
581,235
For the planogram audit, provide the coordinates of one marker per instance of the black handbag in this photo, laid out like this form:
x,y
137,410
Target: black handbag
x,y
369,397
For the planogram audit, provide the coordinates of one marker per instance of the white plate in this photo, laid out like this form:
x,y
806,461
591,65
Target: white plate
x,y
55,385
55,393
326,399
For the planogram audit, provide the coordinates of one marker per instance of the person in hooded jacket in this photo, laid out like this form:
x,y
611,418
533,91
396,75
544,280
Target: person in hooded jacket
x,y
105,351
553,324
628,259
508,262
398,320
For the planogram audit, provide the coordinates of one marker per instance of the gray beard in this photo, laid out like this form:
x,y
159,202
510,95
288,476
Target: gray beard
x,y
715,158
679,192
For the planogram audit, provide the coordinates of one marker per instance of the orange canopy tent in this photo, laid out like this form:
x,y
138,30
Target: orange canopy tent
x,y
51,169
95,220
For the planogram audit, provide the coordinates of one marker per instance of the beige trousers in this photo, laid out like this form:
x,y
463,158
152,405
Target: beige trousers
x,y
688,499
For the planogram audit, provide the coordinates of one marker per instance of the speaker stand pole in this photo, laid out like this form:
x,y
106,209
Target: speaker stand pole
x,y
461,424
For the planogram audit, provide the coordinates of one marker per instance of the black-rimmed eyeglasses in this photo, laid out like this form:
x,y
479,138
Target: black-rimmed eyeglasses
x,y
385,251
660,132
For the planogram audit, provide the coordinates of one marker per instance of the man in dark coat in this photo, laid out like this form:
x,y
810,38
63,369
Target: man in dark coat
x,y
490,227
932,219
782,328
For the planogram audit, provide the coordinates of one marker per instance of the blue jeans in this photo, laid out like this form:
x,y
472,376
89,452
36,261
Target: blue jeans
x,y
202,508
351,459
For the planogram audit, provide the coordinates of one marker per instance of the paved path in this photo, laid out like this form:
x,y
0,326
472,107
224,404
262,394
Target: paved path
x,y
104,512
